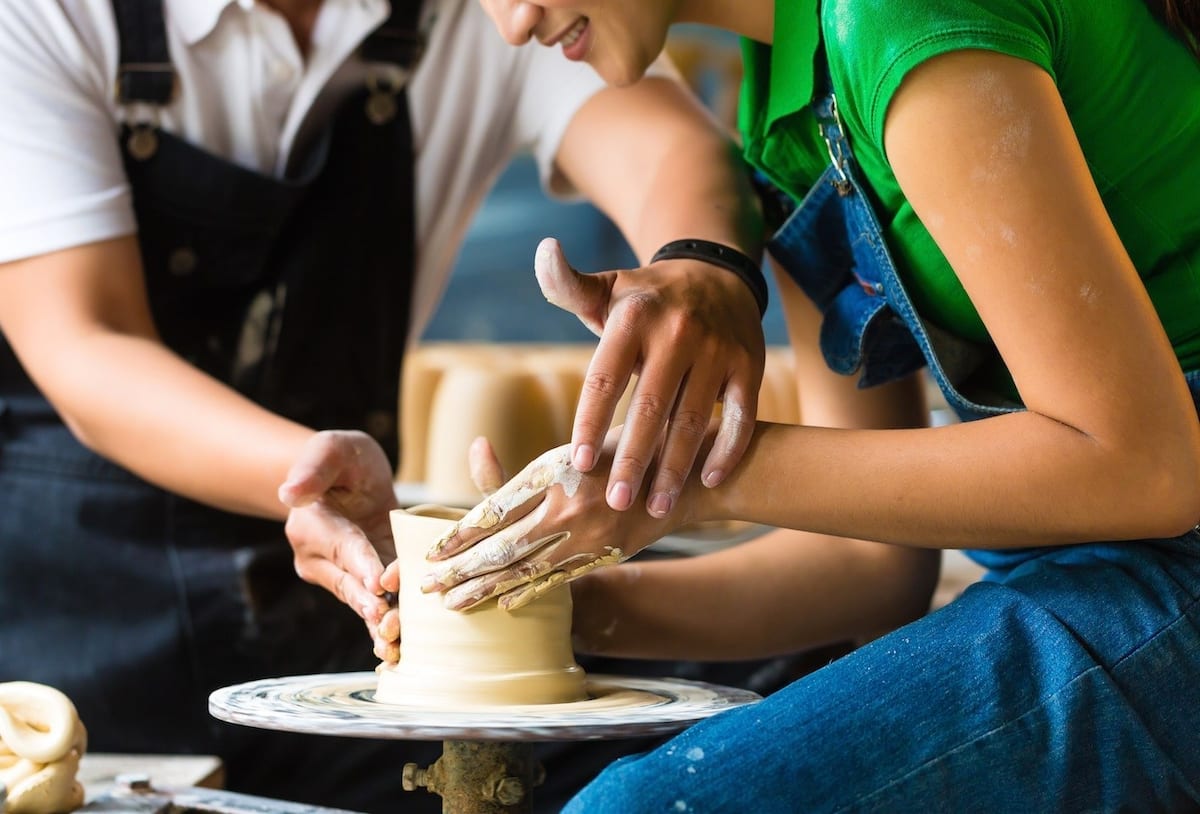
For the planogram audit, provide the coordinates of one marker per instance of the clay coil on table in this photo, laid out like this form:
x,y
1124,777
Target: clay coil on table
x,y
483,657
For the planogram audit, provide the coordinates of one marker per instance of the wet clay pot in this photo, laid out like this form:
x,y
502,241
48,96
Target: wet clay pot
x,y
482,657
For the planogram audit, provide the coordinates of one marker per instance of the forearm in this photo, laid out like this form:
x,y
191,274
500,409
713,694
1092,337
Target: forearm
x,y
1009,481
136,403
80,324
661,168
784,592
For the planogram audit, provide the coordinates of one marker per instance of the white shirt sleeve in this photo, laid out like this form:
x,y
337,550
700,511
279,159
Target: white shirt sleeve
x,y
553,91
63,180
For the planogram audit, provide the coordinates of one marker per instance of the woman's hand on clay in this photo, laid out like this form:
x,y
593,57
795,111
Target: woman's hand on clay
x,y
691,332
339,493
547,526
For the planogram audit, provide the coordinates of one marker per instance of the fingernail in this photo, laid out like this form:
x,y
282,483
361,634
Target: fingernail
x,y
712,478
585,456
660,504
620,496
428,583
367,611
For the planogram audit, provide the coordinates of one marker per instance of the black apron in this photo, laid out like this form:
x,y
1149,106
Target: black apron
x,y
137,603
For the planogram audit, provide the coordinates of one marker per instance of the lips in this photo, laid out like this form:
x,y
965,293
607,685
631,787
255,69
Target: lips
x,y
568,36
574,32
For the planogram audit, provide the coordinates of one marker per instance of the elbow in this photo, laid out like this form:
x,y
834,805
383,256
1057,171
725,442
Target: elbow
x,y
1171,502
1162,494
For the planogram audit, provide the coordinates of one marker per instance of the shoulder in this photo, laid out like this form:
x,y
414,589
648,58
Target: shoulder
x,y
64,182
55,36
872,44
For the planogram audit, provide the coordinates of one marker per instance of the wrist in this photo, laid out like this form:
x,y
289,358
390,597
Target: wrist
x,y
748,270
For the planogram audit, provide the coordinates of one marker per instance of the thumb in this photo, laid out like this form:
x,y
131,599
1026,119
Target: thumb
x,y
584,295
487,473
302,487
311,476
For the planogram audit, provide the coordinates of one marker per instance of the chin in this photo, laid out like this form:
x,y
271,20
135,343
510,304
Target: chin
x,y
620,76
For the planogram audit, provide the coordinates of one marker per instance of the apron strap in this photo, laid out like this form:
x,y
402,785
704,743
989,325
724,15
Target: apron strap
x,y
145,73
400,39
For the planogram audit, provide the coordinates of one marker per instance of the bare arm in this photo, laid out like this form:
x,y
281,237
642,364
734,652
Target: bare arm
x,y
1109,447
678,173
653,160
783,592
79,321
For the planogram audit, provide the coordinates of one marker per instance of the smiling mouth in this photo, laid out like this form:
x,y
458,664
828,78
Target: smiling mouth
x,y
568,37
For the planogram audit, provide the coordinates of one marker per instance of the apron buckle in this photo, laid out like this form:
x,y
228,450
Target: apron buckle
x,y
381,99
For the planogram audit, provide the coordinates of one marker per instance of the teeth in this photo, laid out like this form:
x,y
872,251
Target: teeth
x,y
569,38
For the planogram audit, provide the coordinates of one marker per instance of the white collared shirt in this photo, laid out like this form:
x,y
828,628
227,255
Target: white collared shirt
x,y
246,93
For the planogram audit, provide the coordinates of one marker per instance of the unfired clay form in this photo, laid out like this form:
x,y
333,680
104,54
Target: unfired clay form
x,y
483,657
41,741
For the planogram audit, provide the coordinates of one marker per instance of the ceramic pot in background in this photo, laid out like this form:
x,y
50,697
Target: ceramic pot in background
x,y
507,405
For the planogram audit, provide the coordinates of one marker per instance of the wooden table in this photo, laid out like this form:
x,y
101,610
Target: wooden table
x,y
99,771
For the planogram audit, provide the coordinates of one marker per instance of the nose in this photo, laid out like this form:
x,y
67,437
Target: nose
x,y
515,19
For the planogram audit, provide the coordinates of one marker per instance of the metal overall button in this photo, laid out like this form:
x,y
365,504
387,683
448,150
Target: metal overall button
x,y
142,142
381,99
182,262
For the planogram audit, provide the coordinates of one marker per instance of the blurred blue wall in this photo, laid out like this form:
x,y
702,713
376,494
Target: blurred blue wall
x,y
492,295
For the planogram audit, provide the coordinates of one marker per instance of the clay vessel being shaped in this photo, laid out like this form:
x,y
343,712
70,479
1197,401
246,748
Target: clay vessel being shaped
x,y
482,657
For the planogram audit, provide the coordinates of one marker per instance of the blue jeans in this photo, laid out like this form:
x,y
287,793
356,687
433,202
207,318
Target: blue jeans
x,y
1067,682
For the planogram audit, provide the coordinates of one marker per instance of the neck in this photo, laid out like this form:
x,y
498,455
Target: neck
x,y
301,16
749,18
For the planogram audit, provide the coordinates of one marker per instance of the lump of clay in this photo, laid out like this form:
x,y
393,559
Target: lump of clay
x,y
41,741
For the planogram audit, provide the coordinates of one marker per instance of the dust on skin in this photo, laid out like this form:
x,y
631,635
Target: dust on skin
x,y
563,574
547,470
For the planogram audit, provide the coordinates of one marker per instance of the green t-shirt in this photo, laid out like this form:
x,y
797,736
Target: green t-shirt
x,y
1131,89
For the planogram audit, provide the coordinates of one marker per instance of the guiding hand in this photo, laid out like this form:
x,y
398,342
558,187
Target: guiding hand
x,y
547,526
339,493
692,334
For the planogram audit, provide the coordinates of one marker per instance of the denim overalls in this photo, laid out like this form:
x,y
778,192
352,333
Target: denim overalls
x,y
295,291
1067,680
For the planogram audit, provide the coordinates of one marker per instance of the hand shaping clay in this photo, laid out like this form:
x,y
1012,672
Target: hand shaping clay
x,y
41,741
483,657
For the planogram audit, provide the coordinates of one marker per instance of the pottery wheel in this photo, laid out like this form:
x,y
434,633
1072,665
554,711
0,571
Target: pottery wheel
x,y
344,704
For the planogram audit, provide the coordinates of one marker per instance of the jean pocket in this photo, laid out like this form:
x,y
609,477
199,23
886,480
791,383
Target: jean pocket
x,y
860,332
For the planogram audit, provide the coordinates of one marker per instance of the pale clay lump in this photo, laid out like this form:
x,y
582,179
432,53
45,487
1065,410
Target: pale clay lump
x,y
41,742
